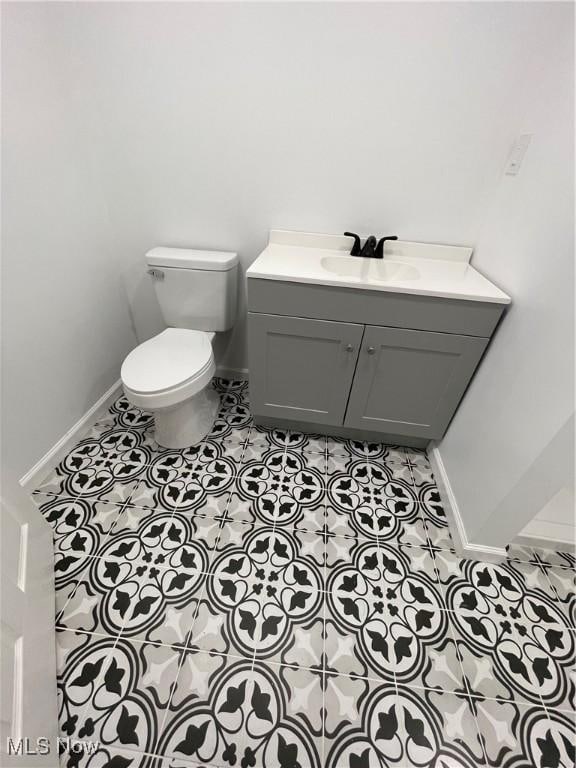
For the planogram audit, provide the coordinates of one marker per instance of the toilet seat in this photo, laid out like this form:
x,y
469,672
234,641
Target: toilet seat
x,y
167,369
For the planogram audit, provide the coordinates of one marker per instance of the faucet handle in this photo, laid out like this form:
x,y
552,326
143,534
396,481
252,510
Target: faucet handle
x,y
355,250
380,247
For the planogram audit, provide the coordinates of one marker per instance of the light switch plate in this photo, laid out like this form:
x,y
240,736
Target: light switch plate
x,y
517,154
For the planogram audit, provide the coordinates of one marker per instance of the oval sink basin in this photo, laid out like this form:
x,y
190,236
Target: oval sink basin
x,y
393,270
379,270
345,266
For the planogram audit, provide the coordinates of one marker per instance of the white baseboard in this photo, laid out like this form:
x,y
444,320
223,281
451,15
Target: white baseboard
x,y
544,542
463,546
231,373
51,458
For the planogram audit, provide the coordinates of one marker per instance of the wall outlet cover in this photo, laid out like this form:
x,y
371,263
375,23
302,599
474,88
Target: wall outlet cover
x,y
517,154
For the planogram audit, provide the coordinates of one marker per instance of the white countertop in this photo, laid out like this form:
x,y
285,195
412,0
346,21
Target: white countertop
x,y
413,268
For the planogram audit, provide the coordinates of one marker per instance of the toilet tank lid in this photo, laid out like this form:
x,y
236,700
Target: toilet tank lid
x,y
188,258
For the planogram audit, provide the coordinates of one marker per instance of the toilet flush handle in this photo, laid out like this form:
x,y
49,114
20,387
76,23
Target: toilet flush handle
x,y
157,274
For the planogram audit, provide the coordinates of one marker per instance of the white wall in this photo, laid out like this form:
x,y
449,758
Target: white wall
x,y
523,394
206,124
556,521
215,122
65,319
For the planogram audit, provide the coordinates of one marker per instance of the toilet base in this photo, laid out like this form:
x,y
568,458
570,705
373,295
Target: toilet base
x,y
187,423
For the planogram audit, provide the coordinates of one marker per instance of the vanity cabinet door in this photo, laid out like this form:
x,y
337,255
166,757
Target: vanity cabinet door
x,y
301,369
410,382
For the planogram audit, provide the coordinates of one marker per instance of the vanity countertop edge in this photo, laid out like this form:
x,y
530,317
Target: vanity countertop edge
x,y
444,271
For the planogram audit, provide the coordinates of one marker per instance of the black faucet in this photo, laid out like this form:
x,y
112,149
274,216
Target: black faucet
x,y
379,253
370,249
355,250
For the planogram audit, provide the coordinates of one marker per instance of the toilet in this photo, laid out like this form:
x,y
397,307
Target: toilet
x,y
170,373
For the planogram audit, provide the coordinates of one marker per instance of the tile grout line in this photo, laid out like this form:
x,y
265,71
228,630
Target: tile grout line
x,y
182,649
224,519
209,572
139,480
244,443
467,688
187,640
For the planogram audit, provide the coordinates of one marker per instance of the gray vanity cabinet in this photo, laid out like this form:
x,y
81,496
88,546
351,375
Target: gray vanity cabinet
x,y
302,369
410,382
362,364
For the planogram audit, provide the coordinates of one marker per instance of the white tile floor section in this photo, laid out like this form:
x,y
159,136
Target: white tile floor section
x,y
274,599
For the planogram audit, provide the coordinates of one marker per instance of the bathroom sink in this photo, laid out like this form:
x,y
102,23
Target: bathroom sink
x,y
344,266
380,270
423,269
393,270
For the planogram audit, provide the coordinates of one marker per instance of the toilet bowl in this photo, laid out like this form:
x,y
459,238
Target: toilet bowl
x,y
168,375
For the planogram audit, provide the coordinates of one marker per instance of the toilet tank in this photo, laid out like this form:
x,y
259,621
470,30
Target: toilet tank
x,y
196,289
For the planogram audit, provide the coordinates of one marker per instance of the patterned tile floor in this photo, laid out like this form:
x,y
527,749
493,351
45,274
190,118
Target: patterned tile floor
x,y
273,599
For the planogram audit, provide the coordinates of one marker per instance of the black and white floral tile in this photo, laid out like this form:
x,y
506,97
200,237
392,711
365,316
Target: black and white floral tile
x,y
274,599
